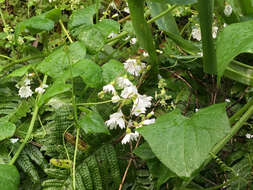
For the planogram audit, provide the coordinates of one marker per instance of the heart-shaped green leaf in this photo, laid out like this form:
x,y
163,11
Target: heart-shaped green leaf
x,y
7,130
92,123
233,40
183,144
9,177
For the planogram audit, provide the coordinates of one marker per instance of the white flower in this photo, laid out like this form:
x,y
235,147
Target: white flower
x,y
115,99
126,9
227,100
159,51
127,38
27,81
215,30
130,137
133,41
141,103
196,34
14,140
148,121
145,54
200,54
109,88
112,35
123,82
25,92
41,89
116,119
133,67
115,15
249,136
228,10
196,110
129,92
113,5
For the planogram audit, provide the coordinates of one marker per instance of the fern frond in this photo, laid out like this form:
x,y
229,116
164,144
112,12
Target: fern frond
x,y
27,166
99,171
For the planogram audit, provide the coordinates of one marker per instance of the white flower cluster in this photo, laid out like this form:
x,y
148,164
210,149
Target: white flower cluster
x,y
41,89
122,89
134,67
249,136
228,10
25,88
196,33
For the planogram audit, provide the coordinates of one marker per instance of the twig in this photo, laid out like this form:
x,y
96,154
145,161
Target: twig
x,y
128,166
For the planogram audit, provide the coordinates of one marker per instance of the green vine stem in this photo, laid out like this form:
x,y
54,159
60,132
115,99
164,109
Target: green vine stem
x,y
30,129
241,111
75,110
233,131
206,22
24,59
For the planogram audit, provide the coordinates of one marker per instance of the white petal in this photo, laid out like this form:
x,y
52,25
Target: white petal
x,y
116,119
228,10
196,34
141,103
126,139
148,121
115,99
129,92
25,92
123,82
109,88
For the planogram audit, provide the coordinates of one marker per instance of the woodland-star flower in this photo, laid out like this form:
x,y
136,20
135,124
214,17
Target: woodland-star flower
x,y
109,88
129,92
130,137
133,41
115,99
141,103
25,92
134,67
123,82
196,34
115,120
41,89
228,10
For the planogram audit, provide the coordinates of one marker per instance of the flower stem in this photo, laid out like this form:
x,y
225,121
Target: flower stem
x,y
30,129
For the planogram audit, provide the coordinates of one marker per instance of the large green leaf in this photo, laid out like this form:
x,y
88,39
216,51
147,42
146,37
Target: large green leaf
x,y
9,177
7,129
82,17
240,72
57,63
233,40
39,23
167,22
183,144
92,123
90,72
56,88
157,169
93,39
111,70
108,26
